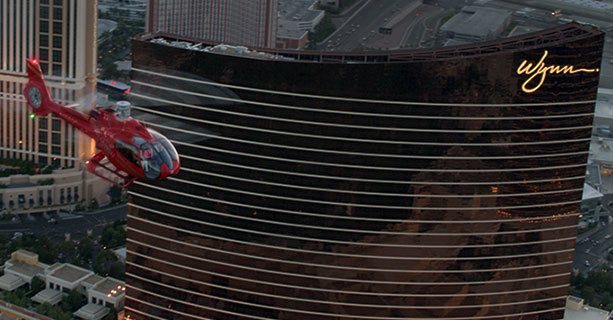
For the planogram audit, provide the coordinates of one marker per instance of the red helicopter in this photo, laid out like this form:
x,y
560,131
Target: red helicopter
x,y
127,149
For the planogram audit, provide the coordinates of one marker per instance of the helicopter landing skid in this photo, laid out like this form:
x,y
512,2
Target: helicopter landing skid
x,y
97,161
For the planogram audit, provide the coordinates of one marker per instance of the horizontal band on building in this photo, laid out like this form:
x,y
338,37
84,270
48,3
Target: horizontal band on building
x,y
353,204
333,164
311,277
328,137
402,182
307,312
403,195
278,235
549,155
382,128
319,215
321,301
480,105
338,267
337,254
354,113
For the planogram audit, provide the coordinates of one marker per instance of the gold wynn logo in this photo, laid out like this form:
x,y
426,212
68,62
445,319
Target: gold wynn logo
x,y
538,73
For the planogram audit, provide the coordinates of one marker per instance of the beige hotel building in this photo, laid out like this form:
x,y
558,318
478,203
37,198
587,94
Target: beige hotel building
x,y
62,34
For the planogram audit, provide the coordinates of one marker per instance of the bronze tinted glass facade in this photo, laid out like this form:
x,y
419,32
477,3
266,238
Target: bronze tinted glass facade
x,y
403,185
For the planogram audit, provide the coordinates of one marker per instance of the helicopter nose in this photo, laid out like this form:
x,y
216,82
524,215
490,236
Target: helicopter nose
x,y
175,166
164,171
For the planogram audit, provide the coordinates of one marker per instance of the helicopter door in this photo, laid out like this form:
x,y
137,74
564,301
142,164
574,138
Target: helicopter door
x,y
128,151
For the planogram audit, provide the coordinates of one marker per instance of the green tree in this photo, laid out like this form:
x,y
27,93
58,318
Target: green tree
x,y
116,194
44,308
36,286
104,260
322,31
73,301
117,271
113,236
85,250
18,298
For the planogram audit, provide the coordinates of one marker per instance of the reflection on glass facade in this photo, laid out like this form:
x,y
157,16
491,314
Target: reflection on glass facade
x,y
402,185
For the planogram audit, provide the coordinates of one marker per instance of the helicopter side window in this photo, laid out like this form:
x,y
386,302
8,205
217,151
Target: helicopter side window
x,y
127,151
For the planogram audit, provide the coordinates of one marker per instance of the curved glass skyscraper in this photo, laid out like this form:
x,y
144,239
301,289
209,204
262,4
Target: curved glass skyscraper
x,y
437,184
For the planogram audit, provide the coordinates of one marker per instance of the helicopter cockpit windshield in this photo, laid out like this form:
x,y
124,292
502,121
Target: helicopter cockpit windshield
x,y
158,157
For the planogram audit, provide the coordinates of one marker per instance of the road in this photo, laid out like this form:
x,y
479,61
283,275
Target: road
x,y
566,8
366,22
587,250
423,32
76,224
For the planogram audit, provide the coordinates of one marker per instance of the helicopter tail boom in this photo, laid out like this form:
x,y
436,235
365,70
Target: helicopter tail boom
x,y
36,92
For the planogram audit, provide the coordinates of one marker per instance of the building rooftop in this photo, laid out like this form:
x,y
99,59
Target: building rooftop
x,y
121,253
27,253
476,21
455,42
565,32
25,269
49,296
110,287
586,313
92,311
298,10
70,273
592,175
10,282
92,280
290,33
603,112
519,30
590,193
600,150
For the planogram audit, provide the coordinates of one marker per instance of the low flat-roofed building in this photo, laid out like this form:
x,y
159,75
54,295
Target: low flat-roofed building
x,y
23,270
292,39
10,311
10,282
299,15
476,24
24,265
61,189
102,293
577,310
106,293
89,283
50,296
92,311
66,277
109,292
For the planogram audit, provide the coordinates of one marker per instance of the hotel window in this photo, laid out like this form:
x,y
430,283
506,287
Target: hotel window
x,y
57,13
57,27
44,26
57,42
44,38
